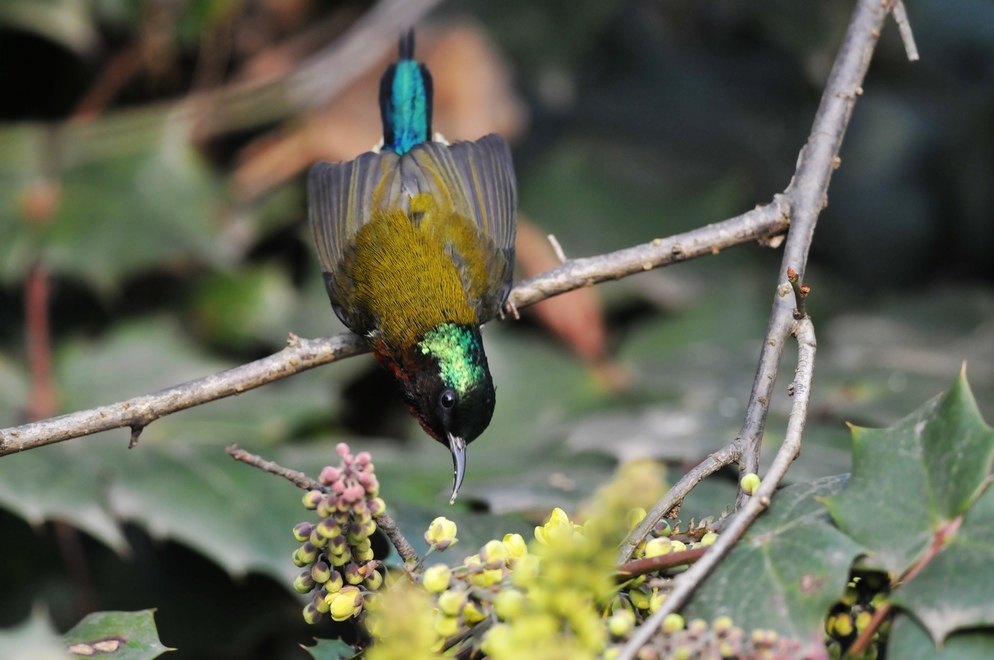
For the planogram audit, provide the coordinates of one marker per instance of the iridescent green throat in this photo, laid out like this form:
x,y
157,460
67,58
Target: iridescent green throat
x,y
457,349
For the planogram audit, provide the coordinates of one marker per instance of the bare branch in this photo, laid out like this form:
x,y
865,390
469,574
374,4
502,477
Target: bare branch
x,y
807,196
685,583
139,412
758,224
303,354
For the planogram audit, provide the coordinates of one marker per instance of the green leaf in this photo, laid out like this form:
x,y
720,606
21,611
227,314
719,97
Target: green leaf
x,y
911,480
132,193
237,516
65,483
953,590
14,388
117,635
330,649
909,641
786,572
242,308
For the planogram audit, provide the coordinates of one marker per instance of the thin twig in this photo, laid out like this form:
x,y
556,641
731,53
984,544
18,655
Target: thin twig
x,y
122,67
557,248
865,638
637,567
904,27
685,583
674,496
301,480
303,354
801,292
38,340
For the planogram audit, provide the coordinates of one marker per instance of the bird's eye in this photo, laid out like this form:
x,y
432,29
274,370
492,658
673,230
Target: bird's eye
x,y
447,399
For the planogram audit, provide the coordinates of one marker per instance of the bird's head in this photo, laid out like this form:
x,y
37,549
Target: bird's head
x,y
446,384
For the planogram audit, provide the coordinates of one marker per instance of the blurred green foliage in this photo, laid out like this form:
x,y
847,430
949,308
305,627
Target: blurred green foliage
x,y
647,118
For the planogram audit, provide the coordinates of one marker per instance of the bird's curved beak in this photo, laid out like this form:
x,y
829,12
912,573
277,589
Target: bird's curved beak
x,y
458,448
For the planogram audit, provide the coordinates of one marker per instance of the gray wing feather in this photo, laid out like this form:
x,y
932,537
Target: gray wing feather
x,y
477,176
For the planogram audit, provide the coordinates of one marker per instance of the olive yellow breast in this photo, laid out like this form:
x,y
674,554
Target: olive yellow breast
x,y
412,271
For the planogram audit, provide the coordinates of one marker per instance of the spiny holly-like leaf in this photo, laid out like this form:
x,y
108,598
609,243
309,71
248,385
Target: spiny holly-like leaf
x,y
909,641
117,635
953,590
787,571
911,480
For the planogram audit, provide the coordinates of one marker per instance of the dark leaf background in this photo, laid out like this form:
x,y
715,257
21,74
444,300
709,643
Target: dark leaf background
x,y
169,252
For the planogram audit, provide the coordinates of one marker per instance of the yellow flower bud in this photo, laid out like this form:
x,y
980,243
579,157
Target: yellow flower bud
x,y
499,642
346,603
515,546
509,604
452,601
492,577
441,533
374,581
722,625
621,623
525,571
493,554
639,598
634,517
750,483
672,623
436,578
709,539
556,529
446,626
472,613
658,547
843,625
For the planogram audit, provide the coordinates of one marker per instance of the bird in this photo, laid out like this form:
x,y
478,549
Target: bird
x,y
415,239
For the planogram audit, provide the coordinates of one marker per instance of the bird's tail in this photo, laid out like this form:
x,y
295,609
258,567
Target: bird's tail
x,y
405,100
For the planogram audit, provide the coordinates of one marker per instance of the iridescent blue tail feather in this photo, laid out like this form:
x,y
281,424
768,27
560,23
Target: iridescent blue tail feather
x,y
405,100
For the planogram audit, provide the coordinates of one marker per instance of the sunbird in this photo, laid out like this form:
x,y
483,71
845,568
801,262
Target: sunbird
x,y
416,243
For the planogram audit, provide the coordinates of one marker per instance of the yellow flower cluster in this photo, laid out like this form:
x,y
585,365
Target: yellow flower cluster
x,y
400,622
552,606
554,597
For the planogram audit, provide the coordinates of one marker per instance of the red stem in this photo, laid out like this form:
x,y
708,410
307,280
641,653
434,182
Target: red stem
x,y
39,347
